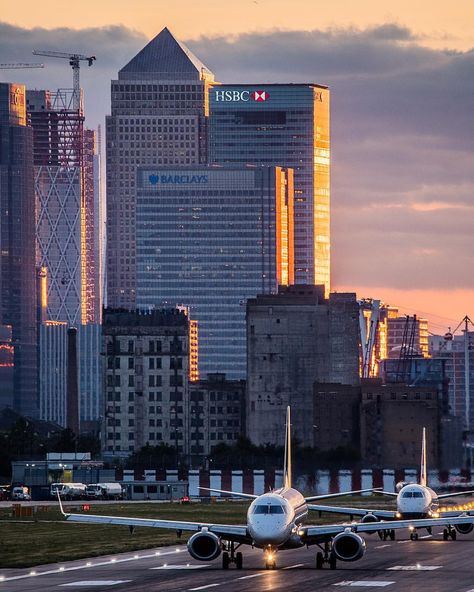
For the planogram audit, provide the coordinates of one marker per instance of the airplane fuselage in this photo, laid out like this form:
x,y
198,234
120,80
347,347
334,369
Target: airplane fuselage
x,y
417,501
273,518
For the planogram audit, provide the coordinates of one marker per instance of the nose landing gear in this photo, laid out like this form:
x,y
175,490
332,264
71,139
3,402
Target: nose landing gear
x,y
230,556
269,557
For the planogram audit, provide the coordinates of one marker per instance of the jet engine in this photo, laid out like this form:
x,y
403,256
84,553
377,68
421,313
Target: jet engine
x,y
204,546
464,528
368,518
348,546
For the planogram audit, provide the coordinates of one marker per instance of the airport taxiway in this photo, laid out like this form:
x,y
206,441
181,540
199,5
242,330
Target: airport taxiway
x,y
402,565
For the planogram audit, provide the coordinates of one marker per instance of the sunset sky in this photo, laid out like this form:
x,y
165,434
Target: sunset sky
x,y
402,82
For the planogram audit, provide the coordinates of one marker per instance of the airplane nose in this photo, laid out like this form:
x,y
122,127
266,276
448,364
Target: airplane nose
x,y
266,532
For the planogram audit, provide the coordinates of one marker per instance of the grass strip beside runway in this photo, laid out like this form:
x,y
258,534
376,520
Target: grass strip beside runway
x,y
49,539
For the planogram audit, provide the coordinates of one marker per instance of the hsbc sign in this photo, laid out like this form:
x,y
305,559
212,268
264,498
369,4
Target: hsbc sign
x,y
239,96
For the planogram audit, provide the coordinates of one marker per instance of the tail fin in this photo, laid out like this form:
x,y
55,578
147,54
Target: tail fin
x,y
423,479
287,465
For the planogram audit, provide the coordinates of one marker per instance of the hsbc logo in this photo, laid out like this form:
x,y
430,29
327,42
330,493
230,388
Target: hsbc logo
x,y
239,96
260,96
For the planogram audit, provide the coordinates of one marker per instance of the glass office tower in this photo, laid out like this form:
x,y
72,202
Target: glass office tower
x,y
209,238
282,125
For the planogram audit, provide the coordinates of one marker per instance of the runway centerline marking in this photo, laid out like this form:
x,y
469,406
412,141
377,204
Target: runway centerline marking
x,y
427,536
294,566
382,546
205,587
414,567
364,583
94,583
187,566
252,576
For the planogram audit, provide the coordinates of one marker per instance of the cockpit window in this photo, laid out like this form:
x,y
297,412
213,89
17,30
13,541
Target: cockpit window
x,y
268,509
412,494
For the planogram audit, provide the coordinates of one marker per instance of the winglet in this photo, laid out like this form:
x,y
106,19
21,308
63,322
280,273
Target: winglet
x,y
423,479
60,504
287,464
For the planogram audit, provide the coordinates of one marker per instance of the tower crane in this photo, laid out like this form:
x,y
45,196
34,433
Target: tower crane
x,y
19,65
74,62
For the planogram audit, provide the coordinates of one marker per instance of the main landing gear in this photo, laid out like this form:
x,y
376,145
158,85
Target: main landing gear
x,y
384,535
449,533
230,556
269,557
413,535
325,556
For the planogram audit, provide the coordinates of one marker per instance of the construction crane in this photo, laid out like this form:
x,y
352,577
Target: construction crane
x,y
74,62
19,66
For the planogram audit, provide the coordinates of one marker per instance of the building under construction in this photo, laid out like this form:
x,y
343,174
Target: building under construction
x,y
64,186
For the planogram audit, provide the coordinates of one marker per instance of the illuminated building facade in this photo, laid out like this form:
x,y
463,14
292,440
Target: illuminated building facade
x,y
17,244
159,118
282,125
64,186
209,238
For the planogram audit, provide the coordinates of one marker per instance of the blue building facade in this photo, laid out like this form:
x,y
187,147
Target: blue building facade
x,y
209,238
282,125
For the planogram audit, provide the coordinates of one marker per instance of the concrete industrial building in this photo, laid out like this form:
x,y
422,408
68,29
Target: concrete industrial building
x,y
209,238
294,339
158,118
146,377
282,125
17,244
217,415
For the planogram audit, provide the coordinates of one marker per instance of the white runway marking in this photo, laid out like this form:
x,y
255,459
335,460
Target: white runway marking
x,y
427,536
365,583
401,542
90,583
188,566
414,567
205,587
252,576
382,546
293,566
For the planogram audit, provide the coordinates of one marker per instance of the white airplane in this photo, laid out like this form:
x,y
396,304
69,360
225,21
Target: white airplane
x,y
414,500
275,522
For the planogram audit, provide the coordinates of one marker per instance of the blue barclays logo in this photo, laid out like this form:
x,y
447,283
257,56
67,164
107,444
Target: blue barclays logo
x,y
178,179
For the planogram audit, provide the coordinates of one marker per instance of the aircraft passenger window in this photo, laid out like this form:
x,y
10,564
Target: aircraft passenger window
x,y
276,510
261,510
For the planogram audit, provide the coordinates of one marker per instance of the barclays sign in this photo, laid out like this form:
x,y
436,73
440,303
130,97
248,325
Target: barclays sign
x,y
167,179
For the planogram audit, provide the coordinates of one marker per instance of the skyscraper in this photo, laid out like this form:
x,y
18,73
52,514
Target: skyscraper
x,y
17,244
64,186
209,238
282,125
159,117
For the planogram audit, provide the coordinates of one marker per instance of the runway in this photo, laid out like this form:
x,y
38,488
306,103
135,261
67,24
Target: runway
x,y
401,565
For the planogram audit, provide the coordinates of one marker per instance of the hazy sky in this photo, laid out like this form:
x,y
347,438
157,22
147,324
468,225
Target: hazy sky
x,y
402,84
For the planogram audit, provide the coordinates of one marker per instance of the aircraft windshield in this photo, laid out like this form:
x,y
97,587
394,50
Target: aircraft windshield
x,y
268,509
412,494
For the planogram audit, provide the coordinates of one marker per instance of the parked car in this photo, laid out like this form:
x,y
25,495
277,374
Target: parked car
x,y
21,494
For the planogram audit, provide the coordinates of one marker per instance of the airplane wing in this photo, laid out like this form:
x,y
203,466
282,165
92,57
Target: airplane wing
x,y
380,514
313,498
314,534
389,493
227,531
455,494
235,493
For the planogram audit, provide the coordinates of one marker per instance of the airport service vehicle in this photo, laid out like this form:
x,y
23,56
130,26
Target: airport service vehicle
x,y
21,494
275,522
68,491
414,500
104,491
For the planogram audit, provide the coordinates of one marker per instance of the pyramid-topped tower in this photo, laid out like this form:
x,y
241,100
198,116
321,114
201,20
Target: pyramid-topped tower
x,y
159,118
166,58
